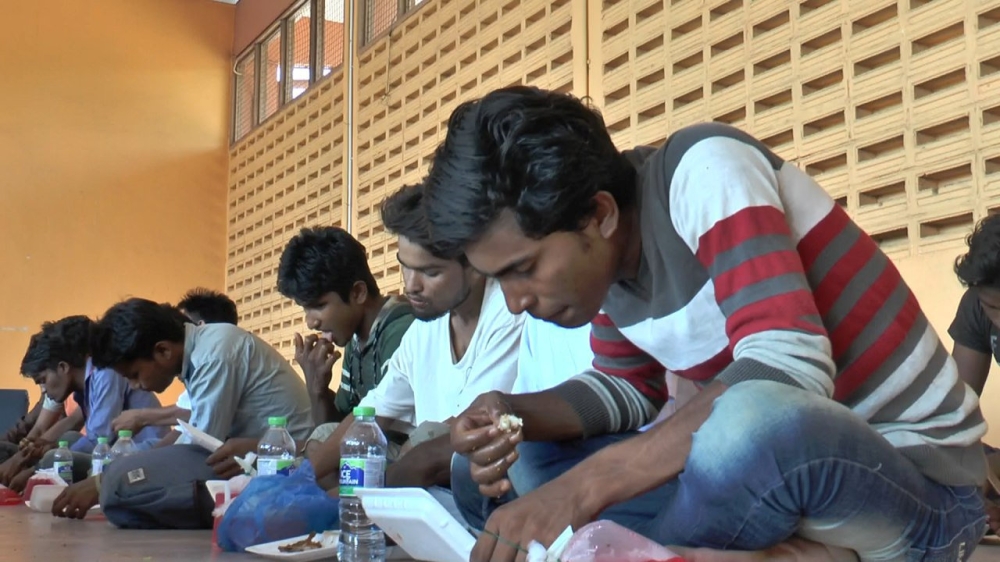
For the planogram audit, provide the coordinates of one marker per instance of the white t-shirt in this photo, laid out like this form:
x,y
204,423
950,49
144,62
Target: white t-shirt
x,y
550,355
424,383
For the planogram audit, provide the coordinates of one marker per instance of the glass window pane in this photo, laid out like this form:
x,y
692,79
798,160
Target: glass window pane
x,y
300,26
333,35
270,51
246,82
379,16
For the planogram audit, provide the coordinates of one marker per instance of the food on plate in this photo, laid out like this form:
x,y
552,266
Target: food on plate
x,y
301,546
509,423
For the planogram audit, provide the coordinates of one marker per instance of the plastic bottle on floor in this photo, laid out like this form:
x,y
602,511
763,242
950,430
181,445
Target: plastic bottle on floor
x,y
276,450
100,457
124,446
362,465
62,462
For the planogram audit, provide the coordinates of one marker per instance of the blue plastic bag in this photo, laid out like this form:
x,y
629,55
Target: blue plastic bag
x,y
273,508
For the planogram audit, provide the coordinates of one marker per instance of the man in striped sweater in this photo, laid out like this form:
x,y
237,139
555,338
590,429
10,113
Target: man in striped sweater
x,y
829,409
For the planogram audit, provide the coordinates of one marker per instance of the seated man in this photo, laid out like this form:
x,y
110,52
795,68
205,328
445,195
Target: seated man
x,y
828,407
43,415
325,271
465,344
200,306
58,358
235,380
974,329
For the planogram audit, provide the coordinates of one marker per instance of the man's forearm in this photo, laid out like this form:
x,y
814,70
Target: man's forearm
x,y
427,464
545,416
46,419
167,415
73,422
327,457
644,462
324,406
169,439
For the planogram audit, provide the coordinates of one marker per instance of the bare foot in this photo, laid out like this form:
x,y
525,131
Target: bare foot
x,y
793,550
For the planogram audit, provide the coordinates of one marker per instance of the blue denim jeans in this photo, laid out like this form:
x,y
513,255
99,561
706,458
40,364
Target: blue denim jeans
x,y
772,462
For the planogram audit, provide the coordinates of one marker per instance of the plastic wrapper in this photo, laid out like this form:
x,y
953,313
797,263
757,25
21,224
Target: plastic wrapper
x,y
272,508
604,541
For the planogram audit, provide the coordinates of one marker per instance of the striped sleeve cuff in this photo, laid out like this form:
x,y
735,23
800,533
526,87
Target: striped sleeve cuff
x,y
607,404
751,369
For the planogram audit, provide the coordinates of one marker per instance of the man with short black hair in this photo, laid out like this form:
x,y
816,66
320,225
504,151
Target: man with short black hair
x,y
325,271
465,343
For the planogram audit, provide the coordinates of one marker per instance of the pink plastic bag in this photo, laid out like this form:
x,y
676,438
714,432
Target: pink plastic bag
x,y
604,541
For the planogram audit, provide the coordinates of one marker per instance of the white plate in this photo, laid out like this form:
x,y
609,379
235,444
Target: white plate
x,y
199,437
270,550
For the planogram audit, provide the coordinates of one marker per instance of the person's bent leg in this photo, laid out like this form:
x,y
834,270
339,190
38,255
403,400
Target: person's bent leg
x,y
7,450
540,462
81,464
159,489
774,461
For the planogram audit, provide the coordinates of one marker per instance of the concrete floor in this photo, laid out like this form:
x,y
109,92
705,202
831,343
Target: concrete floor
x,y
26,536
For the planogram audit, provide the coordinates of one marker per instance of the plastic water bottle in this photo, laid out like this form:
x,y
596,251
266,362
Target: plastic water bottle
x,y
62,462
362,465
276,450
100,457
124,446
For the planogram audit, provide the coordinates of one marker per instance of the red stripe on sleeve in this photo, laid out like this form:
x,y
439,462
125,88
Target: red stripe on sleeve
x,y
743,225
852,377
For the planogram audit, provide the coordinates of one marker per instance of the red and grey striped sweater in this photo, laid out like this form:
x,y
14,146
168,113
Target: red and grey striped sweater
x,y
750,271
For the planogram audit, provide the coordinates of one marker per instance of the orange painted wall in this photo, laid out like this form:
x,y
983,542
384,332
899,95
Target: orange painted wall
x,y
114,153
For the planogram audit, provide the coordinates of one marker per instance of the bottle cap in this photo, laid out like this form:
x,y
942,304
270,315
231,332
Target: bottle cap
x,y
63,444
279,421
102,440
366,411
124,433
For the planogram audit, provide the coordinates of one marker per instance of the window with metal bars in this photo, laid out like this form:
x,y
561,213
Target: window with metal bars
x,y
244,94
380,15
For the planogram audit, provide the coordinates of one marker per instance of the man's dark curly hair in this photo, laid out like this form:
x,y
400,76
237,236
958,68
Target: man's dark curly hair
x,y
980,266
403,215
67,340
320,261
212,306
543,155
131,329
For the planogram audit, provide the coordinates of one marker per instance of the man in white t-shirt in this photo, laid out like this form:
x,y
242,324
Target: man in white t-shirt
x,y
466,343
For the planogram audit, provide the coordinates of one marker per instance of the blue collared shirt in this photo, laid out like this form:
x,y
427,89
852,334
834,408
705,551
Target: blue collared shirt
x,y
107,394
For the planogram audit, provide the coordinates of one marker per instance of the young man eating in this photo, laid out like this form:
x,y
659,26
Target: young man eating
x,y
829,409
325,271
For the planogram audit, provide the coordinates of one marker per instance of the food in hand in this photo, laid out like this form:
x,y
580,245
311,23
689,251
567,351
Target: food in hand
x,y
301,546
509,423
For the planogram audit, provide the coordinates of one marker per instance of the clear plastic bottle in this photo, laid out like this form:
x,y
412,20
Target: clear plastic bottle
x,y
124,446
362,465
100,457
62,462
276,450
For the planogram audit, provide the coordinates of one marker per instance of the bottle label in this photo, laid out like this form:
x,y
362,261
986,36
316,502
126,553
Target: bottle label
x,y
97,466
360,473
271,467
65,470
